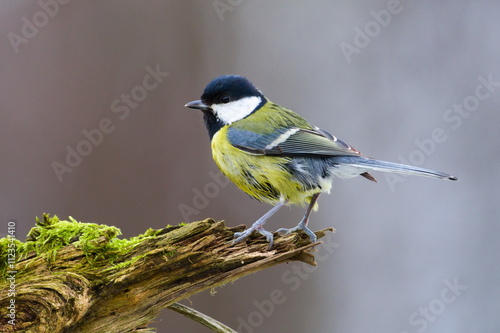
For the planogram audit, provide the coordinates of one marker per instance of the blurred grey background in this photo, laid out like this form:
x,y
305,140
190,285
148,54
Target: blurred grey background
x,y
410,80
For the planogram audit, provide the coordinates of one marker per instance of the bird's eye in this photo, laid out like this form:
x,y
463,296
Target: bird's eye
x,y
225,99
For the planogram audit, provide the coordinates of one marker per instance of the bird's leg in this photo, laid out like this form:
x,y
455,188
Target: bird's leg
x,y
258,226
303,223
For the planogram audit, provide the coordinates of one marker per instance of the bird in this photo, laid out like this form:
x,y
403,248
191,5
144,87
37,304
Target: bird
x,y
276,156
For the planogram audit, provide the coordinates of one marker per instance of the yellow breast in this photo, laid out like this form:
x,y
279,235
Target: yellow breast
x,y
264,177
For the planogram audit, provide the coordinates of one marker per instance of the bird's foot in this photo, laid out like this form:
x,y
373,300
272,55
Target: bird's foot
x,y
241,236
300,226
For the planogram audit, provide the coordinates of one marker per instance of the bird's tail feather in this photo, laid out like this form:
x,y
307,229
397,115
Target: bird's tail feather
x,y
369,164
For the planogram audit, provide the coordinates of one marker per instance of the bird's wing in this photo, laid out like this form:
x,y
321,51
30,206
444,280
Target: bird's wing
x,y
289,142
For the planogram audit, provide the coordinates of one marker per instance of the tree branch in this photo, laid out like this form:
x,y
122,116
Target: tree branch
x,y
80,277
201,318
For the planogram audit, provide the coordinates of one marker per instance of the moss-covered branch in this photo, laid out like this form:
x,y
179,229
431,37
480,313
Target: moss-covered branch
x,y
80,277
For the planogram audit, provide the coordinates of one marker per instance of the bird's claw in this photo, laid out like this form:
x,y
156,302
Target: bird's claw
x,y
241,236
286,231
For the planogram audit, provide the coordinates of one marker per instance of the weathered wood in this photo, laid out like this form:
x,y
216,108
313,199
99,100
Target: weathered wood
x,y
79,277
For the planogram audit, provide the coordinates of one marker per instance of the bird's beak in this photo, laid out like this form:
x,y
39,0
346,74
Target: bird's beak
x,y
197,105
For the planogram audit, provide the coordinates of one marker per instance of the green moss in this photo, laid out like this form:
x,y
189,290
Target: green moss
x,y
51,234
8,255
99,243
127,263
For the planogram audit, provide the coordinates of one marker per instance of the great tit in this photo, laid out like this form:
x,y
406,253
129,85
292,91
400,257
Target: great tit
x,y
276,156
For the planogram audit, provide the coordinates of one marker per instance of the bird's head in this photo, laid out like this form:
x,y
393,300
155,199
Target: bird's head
x,y
229,98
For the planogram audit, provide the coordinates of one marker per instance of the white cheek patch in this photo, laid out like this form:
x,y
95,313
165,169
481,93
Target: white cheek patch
x,y
236,110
